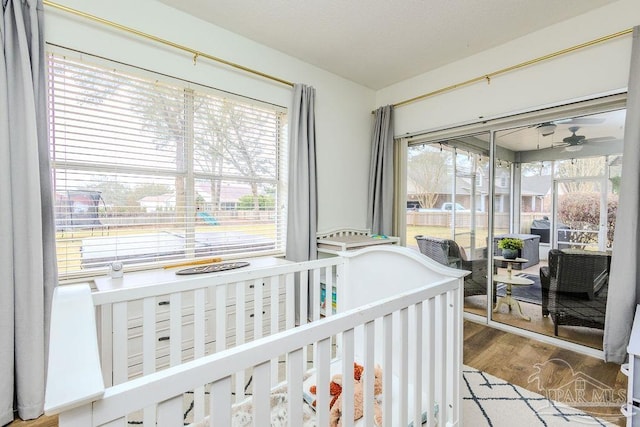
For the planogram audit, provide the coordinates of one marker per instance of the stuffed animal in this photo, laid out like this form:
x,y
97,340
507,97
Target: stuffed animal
x,y
335,386
335,414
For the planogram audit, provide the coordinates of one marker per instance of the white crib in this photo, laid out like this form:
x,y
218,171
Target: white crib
x,y
396,308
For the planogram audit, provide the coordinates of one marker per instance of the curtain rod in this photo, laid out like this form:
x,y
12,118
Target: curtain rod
x,y
196,53
489,76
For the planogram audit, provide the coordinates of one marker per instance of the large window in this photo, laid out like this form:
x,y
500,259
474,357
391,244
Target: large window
x,y
148,169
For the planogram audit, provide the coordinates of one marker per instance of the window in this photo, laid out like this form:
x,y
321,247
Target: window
x,y
149,169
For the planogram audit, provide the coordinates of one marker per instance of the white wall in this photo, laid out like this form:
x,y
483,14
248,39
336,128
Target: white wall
x,y
593,70
343,118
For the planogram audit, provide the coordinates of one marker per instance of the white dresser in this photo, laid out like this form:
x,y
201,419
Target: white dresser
x,y
163,304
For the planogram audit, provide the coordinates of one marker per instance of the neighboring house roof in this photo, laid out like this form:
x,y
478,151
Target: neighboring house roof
x,y
157,200
228,193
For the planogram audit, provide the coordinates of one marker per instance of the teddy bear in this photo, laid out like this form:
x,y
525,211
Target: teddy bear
x,y
335,414
335,386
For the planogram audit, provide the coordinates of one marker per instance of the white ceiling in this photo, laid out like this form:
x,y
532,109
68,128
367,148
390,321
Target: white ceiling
x,y
377,43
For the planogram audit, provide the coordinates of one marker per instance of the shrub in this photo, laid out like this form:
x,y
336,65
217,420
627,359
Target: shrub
x,y
510,243
581,211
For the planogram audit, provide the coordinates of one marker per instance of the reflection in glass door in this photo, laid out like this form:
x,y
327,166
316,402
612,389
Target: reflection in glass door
x,y
555,190
447,205
579,220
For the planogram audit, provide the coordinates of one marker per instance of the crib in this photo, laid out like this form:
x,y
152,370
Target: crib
x,y
242,351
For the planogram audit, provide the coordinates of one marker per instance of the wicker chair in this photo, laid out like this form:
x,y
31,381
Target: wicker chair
x,y
447,252
575,287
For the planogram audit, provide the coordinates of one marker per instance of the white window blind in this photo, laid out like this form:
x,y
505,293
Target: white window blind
x,y
147,170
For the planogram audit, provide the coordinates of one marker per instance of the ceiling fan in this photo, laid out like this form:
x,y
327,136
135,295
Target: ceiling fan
x,y
549,128
575,142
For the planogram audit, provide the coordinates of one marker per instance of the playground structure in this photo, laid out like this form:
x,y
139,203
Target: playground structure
x,y
79,209
208,218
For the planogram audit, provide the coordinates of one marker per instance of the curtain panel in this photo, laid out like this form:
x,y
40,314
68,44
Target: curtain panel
x,y
27,234
302,217
380,208
624,280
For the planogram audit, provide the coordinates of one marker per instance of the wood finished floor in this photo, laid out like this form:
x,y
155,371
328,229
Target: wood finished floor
x,y
543,325
512,358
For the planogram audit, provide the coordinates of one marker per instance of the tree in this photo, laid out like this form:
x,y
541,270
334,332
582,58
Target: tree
x,y
231,140
581,211
577,168
428,170
247,202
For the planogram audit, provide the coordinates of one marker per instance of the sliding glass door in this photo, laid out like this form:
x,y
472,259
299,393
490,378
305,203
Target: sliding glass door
x,y
555,191
550,184
448,208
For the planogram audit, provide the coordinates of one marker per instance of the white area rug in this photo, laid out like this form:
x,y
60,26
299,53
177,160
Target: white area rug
x,y
491,401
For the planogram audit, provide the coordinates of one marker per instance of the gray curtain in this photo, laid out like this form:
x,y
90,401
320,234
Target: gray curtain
x,y
27,235
380,209
624,281
302,219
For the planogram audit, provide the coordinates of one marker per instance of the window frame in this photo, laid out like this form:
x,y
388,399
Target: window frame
x,y
190,174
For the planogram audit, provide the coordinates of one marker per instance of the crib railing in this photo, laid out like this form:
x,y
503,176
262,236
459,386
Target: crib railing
x,y
94,362
144,329
432,379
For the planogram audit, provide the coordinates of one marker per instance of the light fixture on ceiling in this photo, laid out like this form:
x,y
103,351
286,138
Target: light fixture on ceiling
x,y
546,129
573,148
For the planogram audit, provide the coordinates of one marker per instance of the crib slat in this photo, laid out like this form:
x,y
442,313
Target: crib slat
x,y
199,332
387,361
417,374
455,307
403,366
290,320
148,335
275,320
240,336
347,372
429,374
328,287
149,351
294,384
120,339
322,362
369,373
199,299
261,389
221,318
304,294
170,412
175,329
315,295
258,301
149,416
440,350
220,402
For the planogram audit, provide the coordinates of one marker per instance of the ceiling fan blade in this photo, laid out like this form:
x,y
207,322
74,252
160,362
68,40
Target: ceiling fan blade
x,y
600,139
